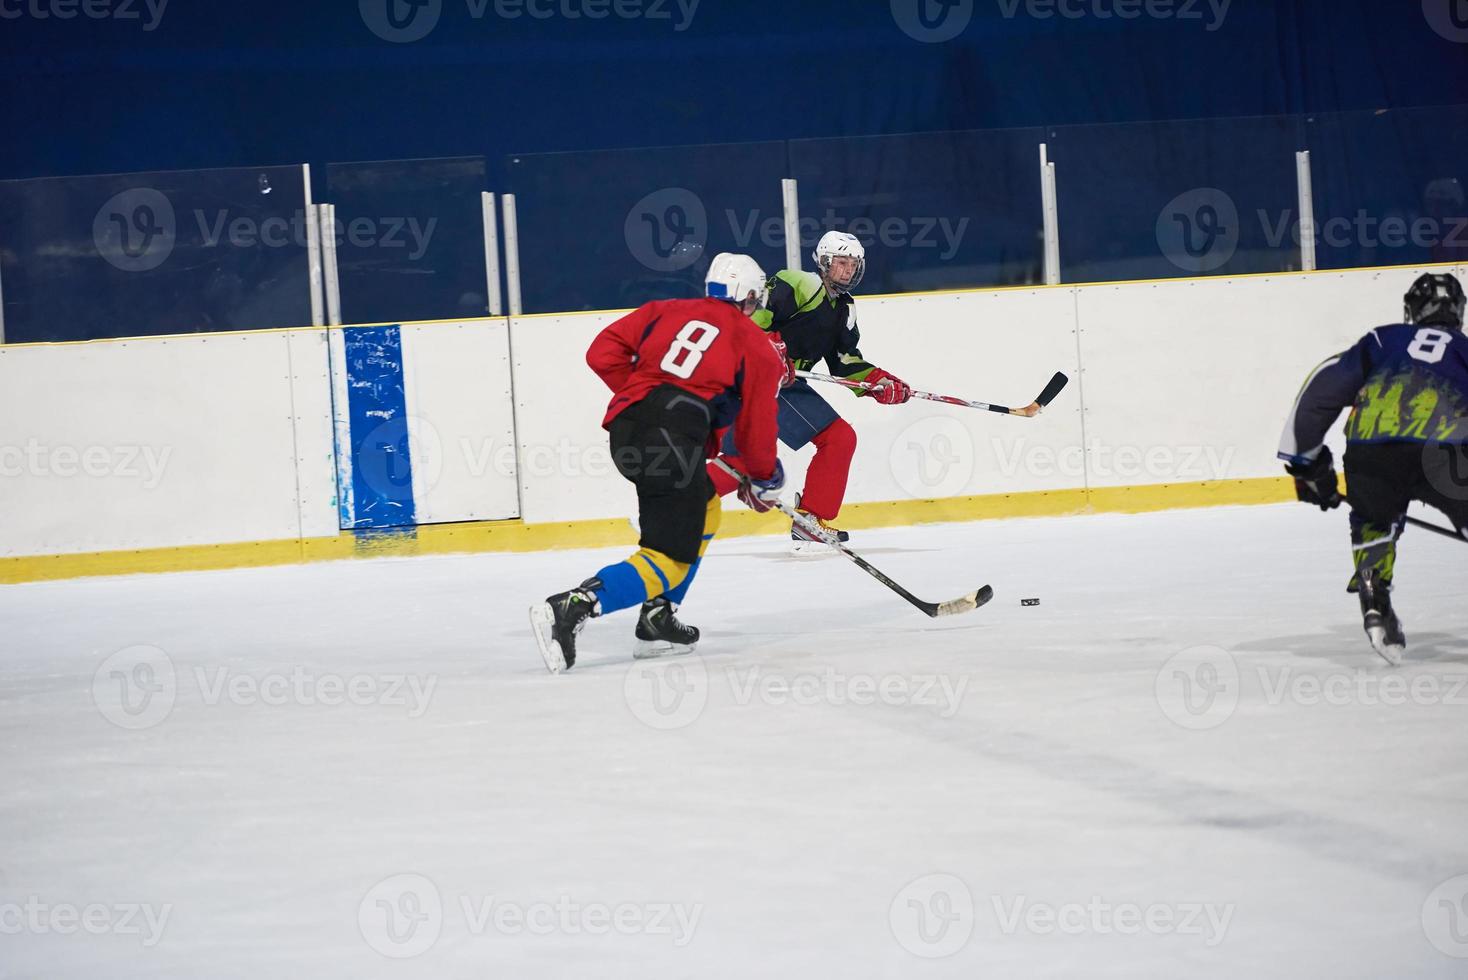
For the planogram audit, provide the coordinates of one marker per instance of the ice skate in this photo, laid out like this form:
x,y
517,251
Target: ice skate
x,y
660,634
1383,628
557,620
801,541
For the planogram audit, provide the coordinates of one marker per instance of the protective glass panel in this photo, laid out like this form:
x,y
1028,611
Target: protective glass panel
x,y
410,239
934,210
615,229
1170,199
1390,186
155,253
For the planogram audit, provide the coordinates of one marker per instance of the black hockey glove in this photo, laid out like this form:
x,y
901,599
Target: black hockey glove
x,y
1315,483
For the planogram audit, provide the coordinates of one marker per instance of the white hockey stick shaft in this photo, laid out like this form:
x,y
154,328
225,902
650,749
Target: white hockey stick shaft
x,y
1029,411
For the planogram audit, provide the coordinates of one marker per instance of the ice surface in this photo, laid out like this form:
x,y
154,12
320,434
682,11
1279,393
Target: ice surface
x,y
1185,762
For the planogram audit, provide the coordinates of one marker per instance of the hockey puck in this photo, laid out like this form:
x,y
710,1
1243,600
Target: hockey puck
x,y
1029,602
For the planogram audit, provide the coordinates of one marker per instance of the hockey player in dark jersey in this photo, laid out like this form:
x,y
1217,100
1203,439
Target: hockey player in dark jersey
x,y
1406,439
676,368
814,316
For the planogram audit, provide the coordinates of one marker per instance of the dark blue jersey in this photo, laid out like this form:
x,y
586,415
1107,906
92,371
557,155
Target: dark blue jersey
x,y
1403,383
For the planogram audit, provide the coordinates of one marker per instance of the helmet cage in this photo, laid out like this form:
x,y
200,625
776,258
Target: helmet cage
x,y
823,262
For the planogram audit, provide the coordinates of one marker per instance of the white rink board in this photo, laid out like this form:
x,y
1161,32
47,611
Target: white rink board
x,y
315,447
566,470
160,442
461,423
1191,380
999,347
198,440
1171,382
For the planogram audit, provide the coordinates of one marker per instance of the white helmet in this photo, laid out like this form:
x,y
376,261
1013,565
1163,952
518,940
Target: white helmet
x,y
735,278
839,243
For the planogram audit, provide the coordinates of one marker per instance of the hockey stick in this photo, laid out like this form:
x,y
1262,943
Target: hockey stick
x,y
1045,397
952,607
1425,525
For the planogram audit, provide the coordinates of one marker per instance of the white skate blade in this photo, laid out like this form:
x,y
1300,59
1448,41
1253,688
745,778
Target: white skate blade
x,y
1392,653
811,549
542,619
652,649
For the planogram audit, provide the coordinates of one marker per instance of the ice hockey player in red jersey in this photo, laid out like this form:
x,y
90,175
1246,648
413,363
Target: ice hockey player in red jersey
x,y
674,366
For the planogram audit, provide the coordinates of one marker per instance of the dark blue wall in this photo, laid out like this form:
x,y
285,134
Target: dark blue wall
x,y
241,83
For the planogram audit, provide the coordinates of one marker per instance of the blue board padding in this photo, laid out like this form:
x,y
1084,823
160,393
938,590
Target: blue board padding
x,y
377,416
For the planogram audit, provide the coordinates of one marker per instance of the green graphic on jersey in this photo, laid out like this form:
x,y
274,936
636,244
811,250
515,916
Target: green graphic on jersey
x,y
1375,547
807,286
808,290
814,324
1411,406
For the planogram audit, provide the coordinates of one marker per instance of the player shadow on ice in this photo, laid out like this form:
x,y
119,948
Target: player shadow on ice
x,y
1346,646
731,644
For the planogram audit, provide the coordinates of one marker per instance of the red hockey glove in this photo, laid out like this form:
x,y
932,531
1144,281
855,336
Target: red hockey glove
x,y
760,495
890,390
779,344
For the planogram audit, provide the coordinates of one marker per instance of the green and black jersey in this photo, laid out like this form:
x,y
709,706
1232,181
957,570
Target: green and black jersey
x,y
1403,383
814,325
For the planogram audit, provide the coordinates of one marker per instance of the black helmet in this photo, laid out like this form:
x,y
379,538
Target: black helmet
x,y
1435,299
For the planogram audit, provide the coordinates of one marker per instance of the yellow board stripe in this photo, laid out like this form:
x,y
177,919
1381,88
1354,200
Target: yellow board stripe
x,y
517,536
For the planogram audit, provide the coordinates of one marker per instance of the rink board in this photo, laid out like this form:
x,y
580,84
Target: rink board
x,y
1178,391
165,443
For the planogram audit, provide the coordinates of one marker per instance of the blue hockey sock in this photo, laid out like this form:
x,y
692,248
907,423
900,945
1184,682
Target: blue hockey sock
x,y
622,587
675,596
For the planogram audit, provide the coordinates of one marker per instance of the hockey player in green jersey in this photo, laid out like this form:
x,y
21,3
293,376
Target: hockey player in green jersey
x,y
811,317
1406,439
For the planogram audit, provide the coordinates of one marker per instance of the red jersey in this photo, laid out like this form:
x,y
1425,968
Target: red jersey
x,y
706,347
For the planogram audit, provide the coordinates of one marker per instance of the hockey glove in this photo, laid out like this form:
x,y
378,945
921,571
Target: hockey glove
x,y
760,495
890,390
779,345
1315,482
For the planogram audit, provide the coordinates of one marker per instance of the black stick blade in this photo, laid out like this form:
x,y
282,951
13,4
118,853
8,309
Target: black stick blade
x,y
1056,385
